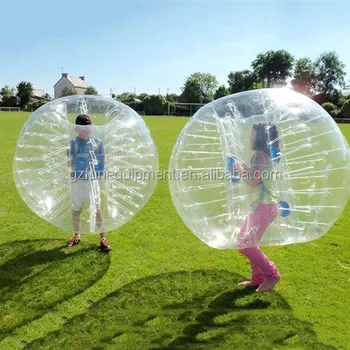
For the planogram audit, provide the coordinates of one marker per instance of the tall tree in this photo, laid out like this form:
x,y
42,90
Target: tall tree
x,y
142,95
91,90
221,91
241,81
24,93
125,96
303,76
273,67
329,73
154,104
8,97
7,92
207,83
67,91
191,92
172,97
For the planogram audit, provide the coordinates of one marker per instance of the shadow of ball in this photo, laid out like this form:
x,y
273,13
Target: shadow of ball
x,y
36,275
185,310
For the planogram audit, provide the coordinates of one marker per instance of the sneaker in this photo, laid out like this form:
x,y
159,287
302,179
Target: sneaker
x,y
74,241
104,246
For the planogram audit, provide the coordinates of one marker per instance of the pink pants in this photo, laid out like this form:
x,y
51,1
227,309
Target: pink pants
x,y
251,233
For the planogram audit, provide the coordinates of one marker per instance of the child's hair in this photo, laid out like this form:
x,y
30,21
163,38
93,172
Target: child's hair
x,y
273,133
265,133
83,119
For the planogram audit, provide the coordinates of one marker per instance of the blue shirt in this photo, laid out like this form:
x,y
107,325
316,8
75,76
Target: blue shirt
x,y
86,155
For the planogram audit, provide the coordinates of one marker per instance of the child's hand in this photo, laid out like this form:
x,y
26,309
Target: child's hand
x,y
239,166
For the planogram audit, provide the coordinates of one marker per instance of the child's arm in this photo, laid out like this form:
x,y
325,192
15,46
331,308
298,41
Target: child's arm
x,y
252,174
71,155
101,159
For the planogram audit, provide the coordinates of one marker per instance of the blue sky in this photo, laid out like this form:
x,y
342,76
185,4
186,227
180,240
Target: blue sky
x,y
151,45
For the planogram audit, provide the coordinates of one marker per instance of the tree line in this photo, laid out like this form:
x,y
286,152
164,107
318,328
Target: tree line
x,y
19,97
322,80
24,98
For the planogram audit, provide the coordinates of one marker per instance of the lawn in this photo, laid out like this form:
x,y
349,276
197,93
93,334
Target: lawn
x,y
160,287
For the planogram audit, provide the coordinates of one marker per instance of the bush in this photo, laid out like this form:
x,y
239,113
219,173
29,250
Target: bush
x,y
345,110
166,107
334,97
343,99
39,104
154,104
329,106
135,104
335,113
11,101
142,96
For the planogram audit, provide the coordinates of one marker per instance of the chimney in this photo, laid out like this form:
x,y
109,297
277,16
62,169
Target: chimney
x,y
82,77
64,75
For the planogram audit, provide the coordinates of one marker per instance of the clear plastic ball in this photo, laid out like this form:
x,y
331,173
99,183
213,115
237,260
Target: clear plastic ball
x,y
86,178
309,172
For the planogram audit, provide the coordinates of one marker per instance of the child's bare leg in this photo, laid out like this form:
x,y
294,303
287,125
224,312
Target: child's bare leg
x,y
76,221
104,246
99,221
248,283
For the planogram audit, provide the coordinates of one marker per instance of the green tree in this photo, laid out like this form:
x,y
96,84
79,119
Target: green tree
x,y
135,103
8,97
37,104
343,99
335,96
125,96
241,81
24,93
47,97
154,104
329,73
345,110
142,95
91,90
303,76
329,107
273,67
172,97
258,85
7,92
67,91
221,92
207,83
191,92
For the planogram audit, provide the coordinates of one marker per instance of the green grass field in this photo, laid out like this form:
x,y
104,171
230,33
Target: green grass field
x,y
160,287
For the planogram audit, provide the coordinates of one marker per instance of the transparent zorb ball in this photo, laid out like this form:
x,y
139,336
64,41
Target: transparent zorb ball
x,y
310,173
102,173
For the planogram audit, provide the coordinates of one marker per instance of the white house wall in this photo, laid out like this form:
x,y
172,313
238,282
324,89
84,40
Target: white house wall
x,y
61,84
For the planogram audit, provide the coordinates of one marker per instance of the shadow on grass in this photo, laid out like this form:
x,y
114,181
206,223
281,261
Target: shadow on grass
x,y
185,310
36,275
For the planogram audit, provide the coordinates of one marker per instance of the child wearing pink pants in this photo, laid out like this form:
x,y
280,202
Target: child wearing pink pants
x,y
264,210
264,272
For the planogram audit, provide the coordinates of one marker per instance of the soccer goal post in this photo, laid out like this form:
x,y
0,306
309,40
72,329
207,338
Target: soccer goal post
x,y
190,108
